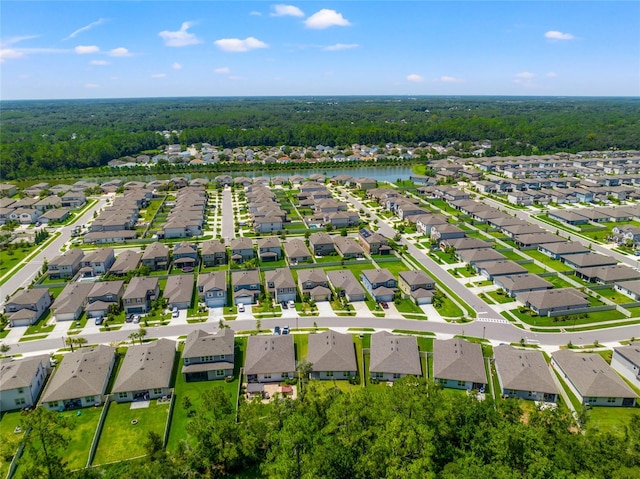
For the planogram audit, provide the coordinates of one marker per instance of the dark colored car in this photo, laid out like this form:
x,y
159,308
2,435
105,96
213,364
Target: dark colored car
x,y
285,330
276,330
284,305
384,305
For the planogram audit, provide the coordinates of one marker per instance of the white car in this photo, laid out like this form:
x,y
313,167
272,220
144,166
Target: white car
x,y
241,308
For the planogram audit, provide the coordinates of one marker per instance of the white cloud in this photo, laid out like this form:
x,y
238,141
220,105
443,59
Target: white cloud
x,y
414,77
13,40
449,79
525,75
10,54
176,66
91,85
255,13
181,38
238,45
86,49
120,52
341,46
552,74
98,22
158,75
524,79
99,62
222,70
286,10
556,35
326,18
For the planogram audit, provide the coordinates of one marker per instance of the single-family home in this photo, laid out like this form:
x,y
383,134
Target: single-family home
x,y
280,284
70,303
241,249
179,291
379,283
208,356
185,255
321,244
446,231
348,247
212,288
592,380
27,306
81,379
514,284
65,265
269,249
267,224
474,257
314,283
459,364
214,253
344,283
270,358
104,295
246,286
21,380
373,243
296,251
417,285
156,256
588,260
139,294
558,301
561,249
97,262
608,274
626,360
332,355
126,262
524,374
145,372
393,356
494,269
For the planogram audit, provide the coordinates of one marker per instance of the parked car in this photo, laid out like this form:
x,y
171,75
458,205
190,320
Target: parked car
x,y
384,305
276,330
129,318
241,308
292,304
136,318
283,304
99,320
285,329
175,313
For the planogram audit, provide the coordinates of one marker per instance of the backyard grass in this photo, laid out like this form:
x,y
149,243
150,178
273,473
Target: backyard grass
x,y
558,282
84,423
591,317
9,257
533,268
9,438
613,295
120,439
611,419
544,259
511,254
301,345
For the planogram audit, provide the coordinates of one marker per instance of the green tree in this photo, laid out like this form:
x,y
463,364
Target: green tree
x,y
47,438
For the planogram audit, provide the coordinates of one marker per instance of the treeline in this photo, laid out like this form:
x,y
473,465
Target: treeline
x,y
412,430
39,136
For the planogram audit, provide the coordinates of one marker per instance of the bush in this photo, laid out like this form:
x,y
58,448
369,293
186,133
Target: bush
x,y
229,379
354,380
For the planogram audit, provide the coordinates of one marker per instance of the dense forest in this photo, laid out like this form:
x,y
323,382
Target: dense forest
x,y
46,136
412,430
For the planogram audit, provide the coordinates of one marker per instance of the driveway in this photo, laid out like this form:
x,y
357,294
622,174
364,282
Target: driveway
x,y
216,314
325,309
248,312
361,308
432,313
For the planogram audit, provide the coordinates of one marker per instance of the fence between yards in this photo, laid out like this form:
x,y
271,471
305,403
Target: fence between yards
x,y
96,435
14,462
167,426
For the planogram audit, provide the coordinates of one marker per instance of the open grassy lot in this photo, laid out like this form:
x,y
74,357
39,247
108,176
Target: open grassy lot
x,y
125,430
301,345
194,390
611,419
9,257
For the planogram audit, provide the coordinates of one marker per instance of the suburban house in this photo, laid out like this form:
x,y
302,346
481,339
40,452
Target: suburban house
x,y
270,358
474,257
81,379
393,357
588,260
332,355
592,380
629,288
267,224
269,249
424,223
379,283
69,304
212,288
524,374
296,251
207,356
514,284
139,294
626,234
459,364
313,282
344,283
66,265
373,243
241,249
494,269
214,253
21,381
321,244
608,274
145,372
102,296
561,249
348,247
179,291
156,256
126,262
27,306
558,301
418,285
280,284
185,255
446,231
626,360
97,262
246,286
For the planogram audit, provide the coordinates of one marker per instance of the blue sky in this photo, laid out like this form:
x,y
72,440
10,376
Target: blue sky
x,y
111,49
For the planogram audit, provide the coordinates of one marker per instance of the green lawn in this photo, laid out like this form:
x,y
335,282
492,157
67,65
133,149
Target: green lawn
x,y
465,272
9,438
511,254
194,390
84,423
613,295
449,309
9,257
544,259
611,419
120,439
591,317
558,282
408,306
499,298
533,268
445,257
301,343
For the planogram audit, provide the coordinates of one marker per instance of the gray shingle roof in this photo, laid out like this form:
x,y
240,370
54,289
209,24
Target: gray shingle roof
x,y
591,375
345,279
72,297
631,352
213,280
19,373
179,288
459,360
146,366
80,374
332,351
270,354
523,370
394,354
199,343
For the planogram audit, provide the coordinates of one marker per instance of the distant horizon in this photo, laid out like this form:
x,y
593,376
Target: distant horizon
x,y
183,49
